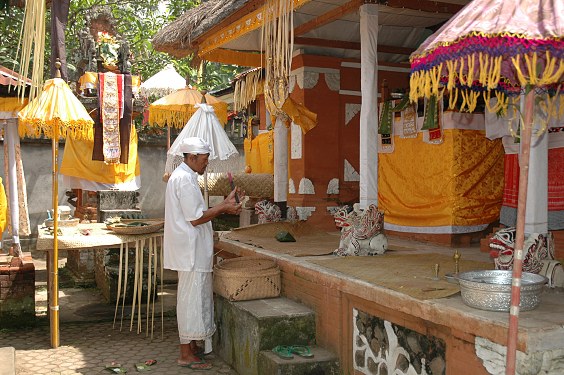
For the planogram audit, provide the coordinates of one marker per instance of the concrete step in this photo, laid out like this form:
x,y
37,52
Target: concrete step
x,y
246,328
7,361
323,362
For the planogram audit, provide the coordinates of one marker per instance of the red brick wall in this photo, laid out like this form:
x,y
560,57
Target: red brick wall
x,y
17,291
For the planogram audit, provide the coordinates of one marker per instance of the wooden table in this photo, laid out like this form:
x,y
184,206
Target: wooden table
x,y
97,236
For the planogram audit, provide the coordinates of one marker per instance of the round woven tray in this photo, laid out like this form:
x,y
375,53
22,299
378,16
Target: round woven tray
x,y
151,227
246,264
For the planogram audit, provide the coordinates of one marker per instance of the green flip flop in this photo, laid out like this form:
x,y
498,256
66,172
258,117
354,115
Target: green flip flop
x,y
301,350
283,352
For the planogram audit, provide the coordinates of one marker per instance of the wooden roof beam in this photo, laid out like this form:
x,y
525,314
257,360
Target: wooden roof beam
x,y
353,5
350,45
326,18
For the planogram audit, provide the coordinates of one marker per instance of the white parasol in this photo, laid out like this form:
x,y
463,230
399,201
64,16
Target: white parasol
x,y
204,124
163,83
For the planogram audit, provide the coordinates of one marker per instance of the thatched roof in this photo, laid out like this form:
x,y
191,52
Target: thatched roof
x,y
177,38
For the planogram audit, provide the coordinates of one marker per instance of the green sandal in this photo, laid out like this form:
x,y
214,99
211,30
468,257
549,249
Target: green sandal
x,y
284,352
301,350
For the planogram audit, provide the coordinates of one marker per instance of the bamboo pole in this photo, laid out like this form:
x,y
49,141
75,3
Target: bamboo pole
x,y
54,292
513,332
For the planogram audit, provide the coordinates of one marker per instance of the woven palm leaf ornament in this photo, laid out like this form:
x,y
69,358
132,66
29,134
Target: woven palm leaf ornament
x,y
277,38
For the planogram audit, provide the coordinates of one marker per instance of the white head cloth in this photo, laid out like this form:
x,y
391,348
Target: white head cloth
x,y
194,145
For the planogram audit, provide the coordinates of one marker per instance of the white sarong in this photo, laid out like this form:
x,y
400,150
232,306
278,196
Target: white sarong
x,y
194,306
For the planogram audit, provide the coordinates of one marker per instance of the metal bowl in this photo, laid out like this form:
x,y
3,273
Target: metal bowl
x,y
491,289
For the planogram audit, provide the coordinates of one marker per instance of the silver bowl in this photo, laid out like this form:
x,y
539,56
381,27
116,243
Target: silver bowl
x,y
491,289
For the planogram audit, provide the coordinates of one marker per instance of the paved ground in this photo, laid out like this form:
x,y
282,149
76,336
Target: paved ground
x,y
88,347
88,341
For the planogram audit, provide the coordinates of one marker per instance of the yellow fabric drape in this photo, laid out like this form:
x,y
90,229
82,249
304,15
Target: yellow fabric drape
x,y
77,162
300,115
92,78
456,183
259,153
3,207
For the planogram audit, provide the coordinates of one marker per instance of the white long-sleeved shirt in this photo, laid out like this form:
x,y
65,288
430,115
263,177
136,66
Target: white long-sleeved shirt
x,y
186,247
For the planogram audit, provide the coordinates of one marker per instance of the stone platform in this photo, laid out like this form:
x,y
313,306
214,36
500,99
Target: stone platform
x,y
444,335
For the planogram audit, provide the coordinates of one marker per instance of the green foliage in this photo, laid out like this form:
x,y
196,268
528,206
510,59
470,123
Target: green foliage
x,y
137,22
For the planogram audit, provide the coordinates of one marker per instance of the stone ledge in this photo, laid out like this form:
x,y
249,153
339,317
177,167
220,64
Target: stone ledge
x,y
322,362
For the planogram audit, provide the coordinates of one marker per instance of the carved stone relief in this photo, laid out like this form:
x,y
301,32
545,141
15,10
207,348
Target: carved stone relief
x,y
304,212
306,79
351,109
306,186
381,347
350,173
291,187
333,81
333,186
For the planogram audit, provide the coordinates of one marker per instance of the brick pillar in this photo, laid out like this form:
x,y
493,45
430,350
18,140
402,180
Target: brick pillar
x,y
17,291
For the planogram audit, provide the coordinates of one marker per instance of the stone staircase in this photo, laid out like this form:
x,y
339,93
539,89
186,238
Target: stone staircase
x,y
247,331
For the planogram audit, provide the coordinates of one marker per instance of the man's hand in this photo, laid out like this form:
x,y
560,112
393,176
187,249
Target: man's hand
x,y
232,203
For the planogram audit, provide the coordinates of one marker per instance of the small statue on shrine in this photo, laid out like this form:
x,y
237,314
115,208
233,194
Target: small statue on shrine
x,y
361,231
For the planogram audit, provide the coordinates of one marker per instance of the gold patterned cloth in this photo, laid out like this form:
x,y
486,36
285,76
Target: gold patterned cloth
x,y
456,183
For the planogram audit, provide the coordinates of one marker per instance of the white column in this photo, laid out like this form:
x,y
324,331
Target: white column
x,y
280,161
12,139
536,215
369,109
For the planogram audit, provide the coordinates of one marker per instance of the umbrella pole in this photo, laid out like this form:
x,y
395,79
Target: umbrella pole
x,y
512,335
167,136
54,287
206,195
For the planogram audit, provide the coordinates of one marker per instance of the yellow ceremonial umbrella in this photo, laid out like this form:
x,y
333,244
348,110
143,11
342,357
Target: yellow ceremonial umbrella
x,y
55,113
176,109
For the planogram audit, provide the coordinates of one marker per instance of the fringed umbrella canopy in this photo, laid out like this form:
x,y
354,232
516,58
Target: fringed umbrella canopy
x,y
163,83
497,46
510,48
56,106
177,108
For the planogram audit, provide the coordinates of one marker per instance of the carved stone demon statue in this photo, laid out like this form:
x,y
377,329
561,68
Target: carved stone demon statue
x,y
267,212
361,231
536,248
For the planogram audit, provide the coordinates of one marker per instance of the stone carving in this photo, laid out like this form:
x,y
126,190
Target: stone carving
x,y
292,214
306,186
291,83
361,231
333,81
333,186
381,347
351,109
291,187
493,356
267,212
307,80
350,173
537,248
99,19
304,212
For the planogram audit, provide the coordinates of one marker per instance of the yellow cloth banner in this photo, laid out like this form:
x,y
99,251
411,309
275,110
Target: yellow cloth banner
x,y
77,162
259,153
456,183
3,207
300,115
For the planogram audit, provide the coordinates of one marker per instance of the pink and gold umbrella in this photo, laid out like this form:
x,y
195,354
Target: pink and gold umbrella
x,y
55,113
503,49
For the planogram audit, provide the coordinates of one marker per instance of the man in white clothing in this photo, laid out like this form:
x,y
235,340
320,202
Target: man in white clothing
x,y
188,248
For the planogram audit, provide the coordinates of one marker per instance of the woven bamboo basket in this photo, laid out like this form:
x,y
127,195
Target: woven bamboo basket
x,y
246,278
